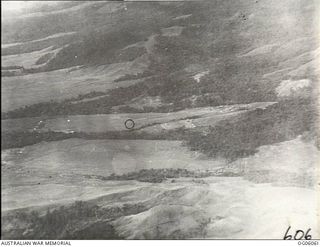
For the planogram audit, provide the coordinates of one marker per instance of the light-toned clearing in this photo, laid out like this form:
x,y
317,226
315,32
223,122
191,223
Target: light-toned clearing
x,y
198,76
53,36
289,87
42,14
182,17
149,44
172,31
141,102
261,50
10,45
28,60
112,8
276,74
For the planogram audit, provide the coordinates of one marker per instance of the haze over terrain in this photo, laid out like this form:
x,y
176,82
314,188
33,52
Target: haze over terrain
x,y
224,96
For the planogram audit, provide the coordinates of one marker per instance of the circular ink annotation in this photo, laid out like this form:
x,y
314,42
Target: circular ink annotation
x,y
129,123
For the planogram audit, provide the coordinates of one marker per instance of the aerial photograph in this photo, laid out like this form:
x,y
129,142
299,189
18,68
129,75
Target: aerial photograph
x,y
160,120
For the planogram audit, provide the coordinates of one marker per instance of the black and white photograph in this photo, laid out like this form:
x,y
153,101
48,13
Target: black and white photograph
x,y
160,120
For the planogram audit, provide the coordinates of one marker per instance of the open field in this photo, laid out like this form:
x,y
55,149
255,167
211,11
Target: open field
x,y
149,122
27,60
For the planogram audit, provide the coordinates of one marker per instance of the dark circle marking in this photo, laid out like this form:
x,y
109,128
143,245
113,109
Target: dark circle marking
x,y
129,123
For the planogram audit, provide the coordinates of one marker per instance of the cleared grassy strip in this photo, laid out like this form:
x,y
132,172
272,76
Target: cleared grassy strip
x,y
160,175
25,138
